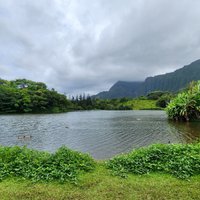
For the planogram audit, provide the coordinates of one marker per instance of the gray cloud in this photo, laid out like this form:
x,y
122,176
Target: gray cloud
x,y
85,46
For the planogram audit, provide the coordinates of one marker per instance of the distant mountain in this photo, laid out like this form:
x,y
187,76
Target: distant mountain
x,y
172,82
120,89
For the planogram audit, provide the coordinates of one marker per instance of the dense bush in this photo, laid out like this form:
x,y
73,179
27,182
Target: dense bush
x,y
155,95
164,100
63,165
25,96
179,160
87,103
186,106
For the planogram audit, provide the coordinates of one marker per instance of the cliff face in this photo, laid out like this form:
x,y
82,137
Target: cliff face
x,y
121,89
172,82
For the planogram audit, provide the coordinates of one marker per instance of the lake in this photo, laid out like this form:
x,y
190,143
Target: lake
x,y
102,134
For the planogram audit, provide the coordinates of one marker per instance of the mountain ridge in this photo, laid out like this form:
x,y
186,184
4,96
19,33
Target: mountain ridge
x,y
172,82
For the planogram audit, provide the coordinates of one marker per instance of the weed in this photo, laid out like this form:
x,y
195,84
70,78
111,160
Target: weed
x,y
63,165
179,160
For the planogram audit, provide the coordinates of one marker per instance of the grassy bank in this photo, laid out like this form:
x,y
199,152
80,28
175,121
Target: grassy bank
x,y
181,161
155,172
138,104
62,166
101,185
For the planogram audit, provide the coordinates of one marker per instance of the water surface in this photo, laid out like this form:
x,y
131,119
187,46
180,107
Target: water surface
x,y
102,134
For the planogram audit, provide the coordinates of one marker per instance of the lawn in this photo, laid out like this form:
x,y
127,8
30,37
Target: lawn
x,y
100,184
155,172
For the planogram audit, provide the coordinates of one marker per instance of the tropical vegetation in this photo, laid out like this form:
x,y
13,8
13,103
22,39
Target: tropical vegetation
x,y
186,105
182,161
63,165
142,174
153,101
25,96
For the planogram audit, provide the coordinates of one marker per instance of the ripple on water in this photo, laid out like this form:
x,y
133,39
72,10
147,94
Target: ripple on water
x,y
103,134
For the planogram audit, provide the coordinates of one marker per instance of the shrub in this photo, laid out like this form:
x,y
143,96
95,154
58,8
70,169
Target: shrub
x,y
179,160
163,100
186,106
63,165
155,95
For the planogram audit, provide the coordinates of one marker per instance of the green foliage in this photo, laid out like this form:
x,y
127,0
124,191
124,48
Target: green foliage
x,y
164,100
138,104
114,104
100,104
25,96
179,160
8,98
142,98
64,165
155,95
83,103
186,106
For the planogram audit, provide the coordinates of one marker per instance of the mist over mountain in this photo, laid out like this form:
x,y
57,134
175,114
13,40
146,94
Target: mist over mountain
x,y
171,82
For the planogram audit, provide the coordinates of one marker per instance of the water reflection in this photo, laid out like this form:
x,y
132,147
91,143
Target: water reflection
x,y
187,132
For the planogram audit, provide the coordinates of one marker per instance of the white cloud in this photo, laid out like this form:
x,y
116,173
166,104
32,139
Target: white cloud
x,y
85,46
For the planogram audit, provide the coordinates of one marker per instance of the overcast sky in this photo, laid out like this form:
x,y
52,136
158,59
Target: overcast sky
x,y
78,46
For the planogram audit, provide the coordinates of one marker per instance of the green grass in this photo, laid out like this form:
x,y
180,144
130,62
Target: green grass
x,y
29,174
101,185
137,104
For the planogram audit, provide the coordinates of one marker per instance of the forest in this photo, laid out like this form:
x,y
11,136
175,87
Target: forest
x,y
26,96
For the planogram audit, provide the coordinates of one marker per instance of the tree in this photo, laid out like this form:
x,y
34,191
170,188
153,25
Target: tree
x,y
25,96
164,100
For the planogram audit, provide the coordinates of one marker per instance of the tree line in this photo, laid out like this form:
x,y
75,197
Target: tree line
x,y
25,96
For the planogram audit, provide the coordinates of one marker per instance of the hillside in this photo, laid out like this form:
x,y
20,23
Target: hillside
x,y
121,89
172,82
